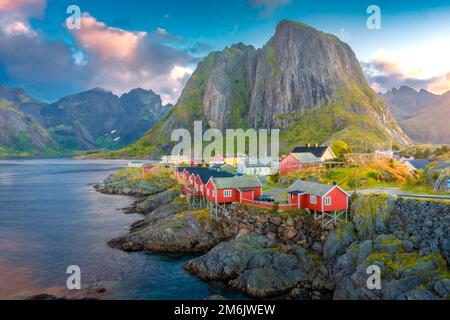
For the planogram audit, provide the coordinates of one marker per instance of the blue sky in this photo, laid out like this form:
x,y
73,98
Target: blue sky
x,y
157,44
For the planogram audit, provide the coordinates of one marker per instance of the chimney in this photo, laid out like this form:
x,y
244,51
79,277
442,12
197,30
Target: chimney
x,y
334,183
316,145
307,145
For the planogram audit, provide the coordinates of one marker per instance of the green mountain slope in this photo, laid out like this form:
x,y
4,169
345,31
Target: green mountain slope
x,y
304,82
21,135
95,119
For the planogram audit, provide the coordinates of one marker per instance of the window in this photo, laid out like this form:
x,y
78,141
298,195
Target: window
x,y
313,199
328,201
214,193
207,192
201,188
227,193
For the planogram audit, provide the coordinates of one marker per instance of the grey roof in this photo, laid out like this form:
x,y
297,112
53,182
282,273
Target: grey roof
x,y
306,157
316,151
237,182
314,188
419,164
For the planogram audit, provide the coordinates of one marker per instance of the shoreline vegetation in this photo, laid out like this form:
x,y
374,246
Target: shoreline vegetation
x,y
265,254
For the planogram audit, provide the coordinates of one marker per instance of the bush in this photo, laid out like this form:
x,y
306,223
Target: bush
x,y
340,148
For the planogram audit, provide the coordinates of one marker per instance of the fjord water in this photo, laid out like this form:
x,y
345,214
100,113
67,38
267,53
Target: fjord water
x,y
51,217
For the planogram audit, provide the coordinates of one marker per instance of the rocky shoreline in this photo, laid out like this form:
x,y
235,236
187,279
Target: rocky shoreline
x,y
290,256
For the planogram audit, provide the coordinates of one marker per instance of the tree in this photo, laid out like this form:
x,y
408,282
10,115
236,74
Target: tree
x,y
340,148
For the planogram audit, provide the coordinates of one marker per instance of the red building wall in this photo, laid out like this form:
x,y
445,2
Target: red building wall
x,y
288,165
251,194
235,194
339,200
222,199
198,186
210,188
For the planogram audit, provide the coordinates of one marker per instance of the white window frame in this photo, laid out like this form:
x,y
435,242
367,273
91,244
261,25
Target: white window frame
x,y
201,187
312,199
207,192
214,193
328,201
227,193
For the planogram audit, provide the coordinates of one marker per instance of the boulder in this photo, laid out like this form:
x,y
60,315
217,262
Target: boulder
x,y
155,201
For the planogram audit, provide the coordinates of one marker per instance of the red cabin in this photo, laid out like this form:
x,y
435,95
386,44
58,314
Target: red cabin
x,y
318,197
149,169
295,162
233,189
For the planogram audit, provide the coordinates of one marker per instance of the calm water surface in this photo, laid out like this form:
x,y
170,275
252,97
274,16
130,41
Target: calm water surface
x,y
51,217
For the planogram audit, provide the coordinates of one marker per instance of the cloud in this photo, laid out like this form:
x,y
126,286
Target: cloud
x,y
99,56
40,65
121,60
163,34
15,15
383,75
25,8
106,42
268,7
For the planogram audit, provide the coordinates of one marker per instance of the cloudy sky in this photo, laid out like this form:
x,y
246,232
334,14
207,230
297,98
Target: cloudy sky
x,y
157,44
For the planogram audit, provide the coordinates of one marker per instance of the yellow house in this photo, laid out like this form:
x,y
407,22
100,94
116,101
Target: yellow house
x,y
233,160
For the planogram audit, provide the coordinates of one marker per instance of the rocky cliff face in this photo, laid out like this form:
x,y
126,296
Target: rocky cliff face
x,y
307,83
92,116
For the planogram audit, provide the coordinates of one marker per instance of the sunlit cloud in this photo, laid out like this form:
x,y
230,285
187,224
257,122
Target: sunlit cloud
x,y
106,42
121,60
28,8
15,15
424,67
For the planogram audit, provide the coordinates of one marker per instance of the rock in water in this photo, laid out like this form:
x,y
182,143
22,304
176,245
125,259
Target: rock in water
x,y
171,228
157,200
256,266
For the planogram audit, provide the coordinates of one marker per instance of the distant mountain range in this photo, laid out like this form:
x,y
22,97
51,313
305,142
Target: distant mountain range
x,y
305,82
424,116
95,119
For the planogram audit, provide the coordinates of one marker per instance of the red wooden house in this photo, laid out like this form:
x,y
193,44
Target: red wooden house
x,y
233,189
317,196
149,169
304,157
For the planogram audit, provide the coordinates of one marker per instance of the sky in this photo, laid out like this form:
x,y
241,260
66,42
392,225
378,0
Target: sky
x,y
156,45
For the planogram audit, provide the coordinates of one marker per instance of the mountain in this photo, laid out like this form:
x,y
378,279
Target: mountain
x,y
307,83
95,119
424,116
23,102
20,134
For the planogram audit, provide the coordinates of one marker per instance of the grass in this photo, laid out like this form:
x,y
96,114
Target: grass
x,y
406,261
378,174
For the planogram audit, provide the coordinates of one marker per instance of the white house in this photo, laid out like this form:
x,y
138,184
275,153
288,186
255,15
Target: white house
x,y
175,160
259,168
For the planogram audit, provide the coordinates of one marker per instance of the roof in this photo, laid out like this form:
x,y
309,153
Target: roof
x,y
306,157
236,182
206,175
316,151
314,188
419,164
195,170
